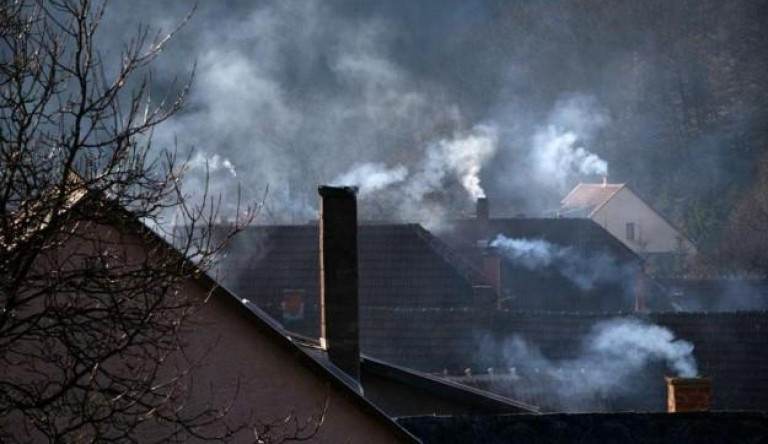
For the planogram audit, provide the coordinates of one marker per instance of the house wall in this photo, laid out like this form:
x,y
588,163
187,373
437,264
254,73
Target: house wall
x,y
236,363
653,234
265,380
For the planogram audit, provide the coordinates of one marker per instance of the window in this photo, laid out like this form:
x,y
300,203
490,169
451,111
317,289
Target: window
x,y
630,230
292,304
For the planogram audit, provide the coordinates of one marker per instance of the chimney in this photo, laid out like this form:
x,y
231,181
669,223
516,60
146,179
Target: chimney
x,y
605,180
338,278
688,394
483,210
492,271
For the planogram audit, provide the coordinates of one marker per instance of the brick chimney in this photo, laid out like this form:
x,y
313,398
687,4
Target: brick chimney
x,y
688,394
483,211
338,278
492,271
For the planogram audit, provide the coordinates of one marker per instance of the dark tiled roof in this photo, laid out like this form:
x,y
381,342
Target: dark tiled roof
x,y
584,235
725,294
546,288
730,348
399,265
604,428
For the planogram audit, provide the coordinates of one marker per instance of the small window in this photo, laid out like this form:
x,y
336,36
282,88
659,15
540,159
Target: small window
x,y
293,304
630,231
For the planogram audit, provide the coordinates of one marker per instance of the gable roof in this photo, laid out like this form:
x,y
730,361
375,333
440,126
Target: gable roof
x,y
591,195
259,319
399,265
595,196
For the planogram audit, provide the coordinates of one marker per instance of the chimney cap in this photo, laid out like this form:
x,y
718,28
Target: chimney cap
x,y
327,190
688,381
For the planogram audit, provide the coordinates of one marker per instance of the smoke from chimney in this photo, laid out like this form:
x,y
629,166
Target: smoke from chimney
x,y
371,177
612,359
584,271
558,154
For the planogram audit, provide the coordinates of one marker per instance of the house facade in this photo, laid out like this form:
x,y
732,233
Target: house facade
x,y
631,220
231,366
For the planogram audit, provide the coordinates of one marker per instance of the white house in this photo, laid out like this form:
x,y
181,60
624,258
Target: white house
x,y
630,219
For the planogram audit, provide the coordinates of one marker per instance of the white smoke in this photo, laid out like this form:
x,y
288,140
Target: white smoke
x,y
461,157
371,177
585,271
465,156
416,196
613,360
213,164
558,156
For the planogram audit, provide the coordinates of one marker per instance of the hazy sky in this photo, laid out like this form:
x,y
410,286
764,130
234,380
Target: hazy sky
x,y
437,98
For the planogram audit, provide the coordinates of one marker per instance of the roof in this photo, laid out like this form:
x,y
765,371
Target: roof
x,y
594,196
724,294
731,348
609,268
399,265
397,389
620,428
480,401
584,235
591,195
273,330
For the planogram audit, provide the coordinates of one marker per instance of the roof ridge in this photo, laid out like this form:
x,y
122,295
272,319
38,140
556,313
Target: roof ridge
x,y
607,199
462,266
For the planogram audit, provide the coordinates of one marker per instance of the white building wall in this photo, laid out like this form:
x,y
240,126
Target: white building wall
x,y
653,234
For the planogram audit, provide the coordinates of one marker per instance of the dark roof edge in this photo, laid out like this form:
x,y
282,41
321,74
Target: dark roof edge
x,y
448,388
446,252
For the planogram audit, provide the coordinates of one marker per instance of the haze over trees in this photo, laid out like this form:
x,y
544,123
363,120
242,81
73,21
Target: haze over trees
x,y
679,88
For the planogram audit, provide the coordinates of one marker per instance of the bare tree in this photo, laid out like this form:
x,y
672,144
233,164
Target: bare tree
x,y
90,311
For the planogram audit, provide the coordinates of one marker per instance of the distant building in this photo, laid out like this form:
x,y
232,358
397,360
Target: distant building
x,y
633,221
548,264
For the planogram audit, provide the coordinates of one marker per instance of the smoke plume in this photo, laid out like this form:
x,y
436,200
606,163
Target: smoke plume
x,y
557,154
461,157
585,271
613,359
371,177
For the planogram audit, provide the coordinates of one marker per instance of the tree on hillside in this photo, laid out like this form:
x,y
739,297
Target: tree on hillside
x,y
744,241
89,316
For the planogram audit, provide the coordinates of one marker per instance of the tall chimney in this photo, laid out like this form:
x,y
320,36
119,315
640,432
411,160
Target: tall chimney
x,y
688,394
483,210
338,277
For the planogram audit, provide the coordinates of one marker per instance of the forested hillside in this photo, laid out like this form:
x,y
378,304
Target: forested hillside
x,y
685,84
441,101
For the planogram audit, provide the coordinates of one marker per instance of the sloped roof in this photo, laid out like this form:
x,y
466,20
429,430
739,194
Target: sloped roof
x,y
584,235
588,243
620,428
591,195
399,265
726,294
730,348
258,318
